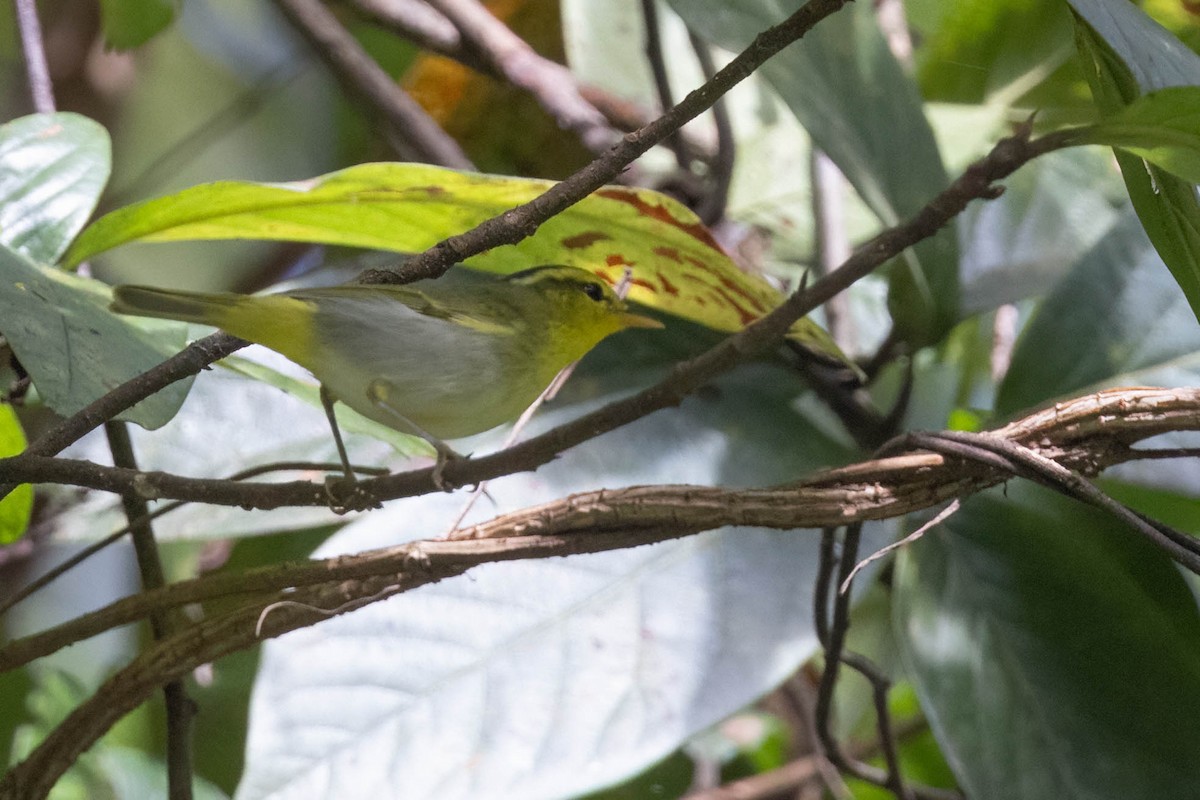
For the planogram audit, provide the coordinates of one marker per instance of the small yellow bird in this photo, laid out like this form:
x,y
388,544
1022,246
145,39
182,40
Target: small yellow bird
x,y
439,359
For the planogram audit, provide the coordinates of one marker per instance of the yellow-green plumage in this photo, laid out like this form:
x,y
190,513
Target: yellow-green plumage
x,y
451,358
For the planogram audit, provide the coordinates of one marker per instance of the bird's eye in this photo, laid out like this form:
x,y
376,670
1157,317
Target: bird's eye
x,y
593,291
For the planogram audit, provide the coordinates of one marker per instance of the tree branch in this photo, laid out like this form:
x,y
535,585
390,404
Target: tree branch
x,y
1088,434
410,130
509,56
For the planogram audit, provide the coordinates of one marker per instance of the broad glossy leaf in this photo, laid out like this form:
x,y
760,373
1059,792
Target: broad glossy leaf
x,y
52,170
858,105
1055,652
74,348
1126,54
546,679
130,23
17,506
1162,127
677,265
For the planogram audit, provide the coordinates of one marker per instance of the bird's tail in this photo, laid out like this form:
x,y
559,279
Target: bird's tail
x,y
145,301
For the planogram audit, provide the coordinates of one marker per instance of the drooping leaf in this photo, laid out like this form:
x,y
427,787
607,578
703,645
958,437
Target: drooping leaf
x,y
677,265
1046,640
1126,54
74,348
52,170
130,23
18,505
856,102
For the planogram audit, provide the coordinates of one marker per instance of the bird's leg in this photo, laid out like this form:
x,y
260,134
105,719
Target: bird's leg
x,y
327,403
340,491
379,392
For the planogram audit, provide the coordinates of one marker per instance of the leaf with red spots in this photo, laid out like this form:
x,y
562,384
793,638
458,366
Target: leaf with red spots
x,y
676,264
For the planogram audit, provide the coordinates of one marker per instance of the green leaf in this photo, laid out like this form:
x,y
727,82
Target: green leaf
x,y
677,266
17,507
130,23
1162,127
975,50
53,168
74,348
1127,54
1138,330
1055,652
861,108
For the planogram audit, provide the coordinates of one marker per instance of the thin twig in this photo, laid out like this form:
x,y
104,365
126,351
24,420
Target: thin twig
x,y
1022,460
409,129
37,71
78,558
835,656
880,686
711,209
882,552
831,241
662,81
839,624
509,56
821,587
180,708
420,24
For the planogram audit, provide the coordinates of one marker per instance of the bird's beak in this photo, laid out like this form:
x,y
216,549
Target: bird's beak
x,y
638,321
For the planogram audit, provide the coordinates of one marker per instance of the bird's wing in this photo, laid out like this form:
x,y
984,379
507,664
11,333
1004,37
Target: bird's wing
x,y
452,308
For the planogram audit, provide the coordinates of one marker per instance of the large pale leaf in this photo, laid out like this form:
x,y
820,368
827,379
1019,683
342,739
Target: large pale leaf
x,y
677,265
1055,653
74,348
52,170
858,105
17,506
1126,54
546,679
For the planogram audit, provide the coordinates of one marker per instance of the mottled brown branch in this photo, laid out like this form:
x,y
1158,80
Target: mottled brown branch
x,y
1085,434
